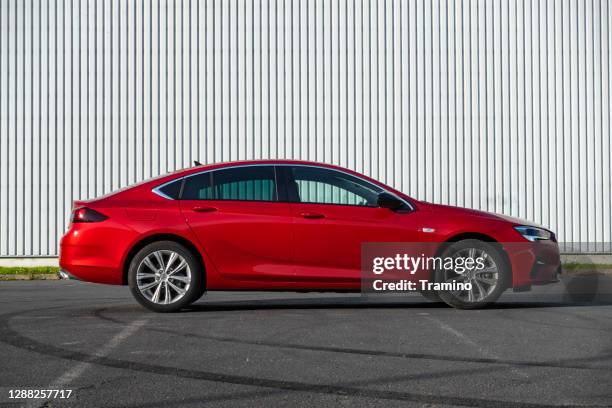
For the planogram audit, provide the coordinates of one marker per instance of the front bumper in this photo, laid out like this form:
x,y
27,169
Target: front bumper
x,y
543,273
534,263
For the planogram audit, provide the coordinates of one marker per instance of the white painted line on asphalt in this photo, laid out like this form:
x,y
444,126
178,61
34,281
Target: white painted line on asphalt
x,y
482,350
75,372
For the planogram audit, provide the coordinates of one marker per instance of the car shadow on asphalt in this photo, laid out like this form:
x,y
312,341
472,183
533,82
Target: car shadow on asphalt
x,y
361,303
579,291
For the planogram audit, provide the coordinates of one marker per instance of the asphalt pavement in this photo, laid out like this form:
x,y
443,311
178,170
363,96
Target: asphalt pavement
x,y
548,347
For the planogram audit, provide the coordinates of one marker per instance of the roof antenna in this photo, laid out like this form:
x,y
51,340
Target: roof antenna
x,y
196,163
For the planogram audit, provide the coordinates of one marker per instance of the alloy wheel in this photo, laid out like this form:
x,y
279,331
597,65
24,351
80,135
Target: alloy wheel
x,y
163,277
483,280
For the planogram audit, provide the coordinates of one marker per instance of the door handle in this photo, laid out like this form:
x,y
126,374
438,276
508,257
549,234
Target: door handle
x,y
311,215
204,209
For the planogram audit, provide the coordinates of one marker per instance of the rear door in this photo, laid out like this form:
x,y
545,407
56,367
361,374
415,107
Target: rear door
x,y
241,221
334,213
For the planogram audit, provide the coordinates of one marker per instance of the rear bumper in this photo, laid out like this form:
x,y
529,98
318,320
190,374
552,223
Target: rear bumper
x,y
94,252
63,274
85,263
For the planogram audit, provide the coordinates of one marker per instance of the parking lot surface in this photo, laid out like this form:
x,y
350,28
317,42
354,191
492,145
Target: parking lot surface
x,y
542,348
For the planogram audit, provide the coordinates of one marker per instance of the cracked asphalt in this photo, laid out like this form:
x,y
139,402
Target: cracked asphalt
x,y
548,347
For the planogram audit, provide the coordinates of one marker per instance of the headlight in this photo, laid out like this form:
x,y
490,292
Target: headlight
x,y
533,233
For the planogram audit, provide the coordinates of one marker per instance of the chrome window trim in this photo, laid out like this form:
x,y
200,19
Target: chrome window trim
x,y
159,193
280,164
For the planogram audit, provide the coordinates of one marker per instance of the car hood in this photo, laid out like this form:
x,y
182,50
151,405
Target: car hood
x,y
468,212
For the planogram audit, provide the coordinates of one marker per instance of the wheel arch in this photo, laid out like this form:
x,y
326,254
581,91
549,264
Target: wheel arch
x,y
481,237
160,237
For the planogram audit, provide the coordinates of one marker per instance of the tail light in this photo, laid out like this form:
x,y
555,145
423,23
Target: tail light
x,y
84,214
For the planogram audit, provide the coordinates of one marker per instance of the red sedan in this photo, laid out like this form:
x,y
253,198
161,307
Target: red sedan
x,y
286,225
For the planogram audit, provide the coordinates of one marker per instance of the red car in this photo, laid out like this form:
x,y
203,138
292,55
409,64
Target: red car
x,y
284,225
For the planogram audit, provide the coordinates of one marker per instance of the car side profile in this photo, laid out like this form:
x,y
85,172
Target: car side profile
x,y
284,225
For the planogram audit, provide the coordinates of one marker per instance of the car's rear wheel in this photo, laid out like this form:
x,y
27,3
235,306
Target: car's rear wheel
x,y
165,276
488,278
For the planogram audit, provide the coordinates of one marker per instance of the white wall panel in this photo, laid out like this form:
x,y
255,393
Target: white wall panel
x,y
498,105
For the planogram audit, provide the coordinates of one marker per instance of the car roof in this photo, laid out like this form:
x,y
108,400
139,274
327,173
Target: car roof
x,y
169,177
271,162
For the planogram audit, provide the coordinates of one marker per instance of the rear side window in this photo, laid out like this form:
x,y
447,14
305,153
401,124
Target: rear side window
x,y
172,189
198,187
247,183
256,183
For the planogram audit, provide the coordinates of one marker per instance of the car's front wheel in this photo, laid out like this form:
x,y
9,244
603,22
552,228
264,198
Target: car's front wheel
x,y
165,276
488,276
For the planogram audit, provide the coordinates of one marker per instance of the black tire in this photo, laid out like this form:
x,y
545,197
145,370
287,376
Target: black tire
x,y
195,288
490,293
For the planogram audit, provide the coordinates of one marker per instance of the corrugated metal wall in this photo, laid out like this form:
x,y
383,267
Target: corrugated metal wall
x,y
498,105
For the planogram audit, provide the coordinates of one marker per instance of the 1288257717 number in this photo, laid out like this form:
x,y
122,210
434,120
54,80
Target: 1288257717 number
x,y
39,394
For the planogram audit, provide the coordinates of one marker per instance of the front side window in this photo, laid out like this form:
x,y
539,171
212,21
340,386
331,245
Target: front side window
x,y
326,186
246,183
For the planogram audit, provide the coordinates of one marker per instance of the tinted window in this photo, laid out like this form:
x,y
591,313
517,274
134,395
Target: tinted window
x,y
172,190
324,186
248,183
198,187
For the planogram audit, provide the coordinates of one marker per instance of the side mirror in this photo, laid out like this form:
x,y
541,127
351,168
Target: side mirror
x,y
387,200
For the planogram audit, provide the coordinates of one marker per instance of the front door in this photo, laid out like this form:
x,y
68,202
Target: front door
x,y
334,213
